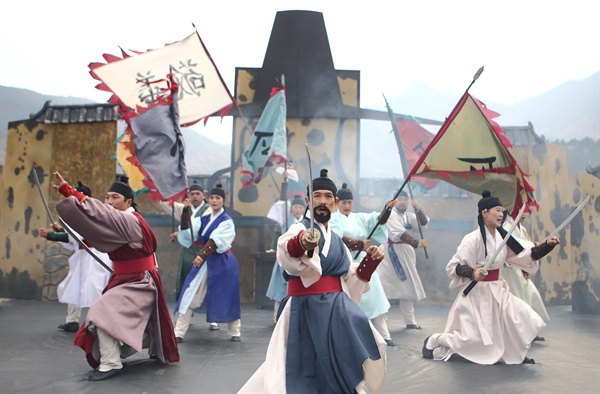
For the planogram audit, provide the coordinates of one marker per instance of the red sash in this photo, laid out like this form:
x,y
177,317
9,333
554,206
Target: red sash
x,y
491,276
146,263
327,284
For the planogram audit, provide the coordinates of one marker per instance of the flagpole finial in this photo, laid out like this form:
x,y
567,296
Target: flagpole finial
x,y
475,77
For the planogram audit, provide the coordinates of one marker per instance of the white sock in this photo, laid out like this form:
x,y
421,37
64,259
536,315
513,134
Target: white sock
x,y
429,344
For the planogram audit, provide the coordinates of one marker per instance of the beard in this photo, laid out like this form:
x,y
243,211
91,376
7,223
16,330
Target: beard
x,y
322,217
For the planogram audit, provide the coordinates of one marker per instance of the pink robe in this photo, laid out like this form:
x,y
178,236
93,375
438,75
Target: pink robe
x,y
132,303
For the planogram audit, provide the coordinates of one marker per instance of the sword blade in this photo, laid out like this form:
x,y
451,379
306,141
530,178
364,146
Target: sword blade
x,y
488,263
83,245
506,237
39,187
568,220
310,193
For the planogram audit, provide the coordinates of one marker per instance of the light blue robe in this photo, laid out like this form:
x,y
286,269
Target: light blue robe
x,y
357,226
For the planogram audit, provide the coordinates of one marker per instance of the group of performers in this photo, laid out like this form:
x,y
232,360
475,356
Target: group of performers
x,y
330,331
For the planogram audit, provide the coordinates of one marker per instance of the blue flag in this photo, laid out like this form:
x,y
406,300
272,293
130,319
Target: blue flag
x,y
268,144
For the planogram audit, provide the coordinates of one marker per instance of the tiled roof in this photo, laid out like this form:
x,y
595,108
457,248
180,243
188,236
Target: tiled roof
x,y
523,135
99,112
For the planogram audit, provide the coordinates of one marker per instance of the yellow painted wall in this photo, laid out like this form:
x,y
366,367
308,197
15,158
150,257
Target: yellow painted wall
x,y
80,152
585,242
333,144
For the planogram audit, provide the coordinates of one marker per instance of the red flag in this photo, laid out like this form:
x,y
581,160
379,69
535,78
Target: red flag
x,y
471,152
415,139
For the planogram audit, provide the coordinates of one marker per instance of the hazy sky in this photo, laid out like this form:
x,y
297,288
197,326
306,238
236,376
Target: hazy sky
x,y
527,47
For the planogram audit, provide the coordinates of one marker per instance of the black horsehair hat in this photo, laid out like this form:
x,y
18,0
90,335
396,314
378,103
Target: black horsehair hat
x,y
218,190
122,187
83,189
487,201
195,187
324,183
297,200
344,193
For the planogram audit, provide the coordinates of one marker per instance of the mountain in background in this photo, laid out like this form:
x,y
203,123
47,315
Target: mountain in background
x,y
19,104
568,112
571,110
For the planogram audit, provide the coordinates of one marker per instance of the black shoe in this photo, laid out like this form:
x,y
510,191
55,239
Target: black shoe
x,y
426,352
235,338
414,326
390,342
528,361
178,339
539,339
70,327
97,375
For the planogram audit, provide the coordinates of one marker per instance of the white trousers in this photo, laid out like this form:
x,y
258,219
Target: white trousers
x,y
110,351
380,324
73,314
408,311
182,324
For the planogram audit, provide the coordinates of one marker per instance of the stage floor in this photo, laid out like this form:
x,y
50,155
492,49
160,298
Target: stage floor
x,y
36,357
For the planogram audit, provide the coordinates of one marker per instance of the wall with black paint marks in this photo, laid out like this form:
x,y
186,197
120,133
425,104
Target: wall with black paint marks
x,y
585,242
30,266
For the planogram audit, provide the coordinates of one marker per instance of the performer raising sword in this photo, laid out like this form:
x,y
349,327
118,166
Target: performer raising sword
x,y
319,327
490,324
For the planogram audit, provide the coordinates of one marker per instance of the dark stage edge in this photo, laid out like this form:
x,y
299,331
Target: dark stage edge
x,y
36,357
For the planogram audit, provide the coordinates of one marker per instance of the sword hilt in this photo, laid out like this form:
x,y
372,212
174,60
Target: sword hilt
x,y
312,238
473,283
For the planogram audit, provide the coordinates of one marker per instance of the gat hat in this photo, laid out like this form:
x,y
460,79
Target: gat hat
x,y
487,201
122,187
83,189
345,193
324,183
195,187
298,200
218,190
403,194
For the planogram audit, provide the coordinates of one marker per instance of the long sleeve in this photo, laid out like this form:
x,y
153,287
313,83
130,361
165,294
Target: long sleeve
x,y
308,269
223,235
185,236
102,225
395,227
168,209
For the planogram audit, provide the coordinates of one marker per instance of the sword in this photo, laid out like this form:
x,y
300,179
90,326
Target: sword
x,y
314,235
39,187
83,245
498,249
568,220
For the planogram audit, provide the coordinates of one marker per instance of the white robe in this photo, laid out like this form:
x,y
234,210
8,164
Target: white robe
x,y
489,324
519,286
86,278
396,289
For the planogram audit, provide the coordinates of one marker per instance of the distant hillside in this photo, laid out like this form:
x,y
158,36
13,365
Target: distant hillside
x,y
571,110
568,112
18,104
